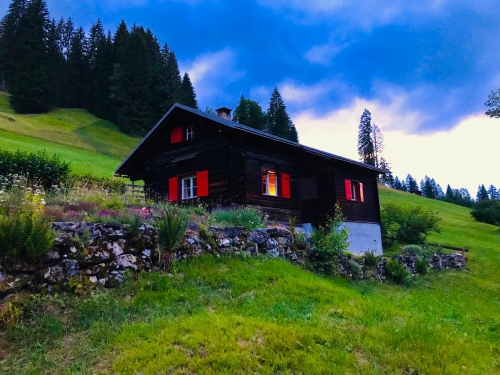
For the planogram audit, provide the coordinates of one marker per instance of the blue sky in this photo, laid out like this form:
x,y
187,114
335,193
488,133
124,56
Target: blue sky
x,y
422,68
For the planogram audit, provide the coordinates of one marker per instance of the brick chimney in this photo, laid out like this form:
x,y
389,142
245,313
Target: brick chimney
x,y
224,113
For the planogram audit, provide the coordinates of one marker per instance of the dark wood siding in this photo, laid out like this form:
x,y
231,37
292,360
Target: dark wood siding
x,y
367,211
278,208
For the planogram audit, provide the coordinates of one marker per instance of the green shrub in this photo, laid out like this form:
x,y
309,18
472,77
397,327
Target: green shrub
x,y
171,227
422,265
355,269
24,238
371,260
249,218
413,250
406,224
487,211
397,272
39,166
111,185
330,242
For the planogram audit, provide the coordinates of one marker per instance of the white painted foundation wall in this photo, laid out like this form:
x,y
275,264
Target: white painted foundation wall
x,y
364,237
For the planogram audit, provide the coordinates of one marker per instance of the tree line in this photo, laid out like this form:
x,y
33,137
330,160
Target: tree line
x,y
126,78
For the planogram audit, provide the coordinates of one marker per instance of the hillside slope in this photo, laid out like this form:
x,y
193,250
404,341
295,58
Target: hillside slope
x,y
233,315
91,145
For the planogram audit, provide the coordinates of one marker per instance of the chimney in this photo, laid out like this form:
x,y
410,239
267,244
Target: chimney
x,y
224,113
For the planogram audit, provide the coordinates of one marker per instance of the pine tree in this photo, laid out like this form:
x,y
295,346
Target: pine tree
x,y
103,71
95,45
482,194
56,66
11,36
411,183
188,95
28,77
279,122
396,184
173,80
78,71
366,149
427,188
493,193
387,178
249,112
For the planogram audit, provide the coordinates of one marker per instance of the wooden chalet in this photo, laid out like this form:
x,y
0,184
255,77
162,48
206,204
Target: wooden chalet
x,y
192,155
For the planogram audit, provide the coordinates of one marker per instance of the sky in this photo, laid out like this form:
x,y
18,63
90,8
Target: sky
x,y
423,69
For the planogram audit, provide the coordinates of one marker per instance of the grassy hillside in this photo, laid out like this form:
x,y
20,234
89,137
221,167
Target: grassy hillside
x,y
91,145
266,316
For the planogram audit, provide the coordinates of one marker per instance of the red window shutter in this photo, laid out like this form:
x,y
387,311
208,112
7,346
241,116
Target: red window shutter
x,y
173,194
348,192
361,194
285,185
202,182
176,135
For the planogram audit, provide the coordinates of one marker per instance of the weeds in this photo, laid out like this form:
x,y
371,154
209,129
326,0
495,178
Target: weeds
x,y
249,218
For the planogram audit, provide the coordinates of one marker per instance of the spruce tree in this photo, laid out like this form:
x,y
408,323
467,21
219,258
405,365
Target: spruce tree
x,y
493,193
387,178
56,66
173,80
103,71
29,78
366,150
482,194
411,183
396,184
78,71
95,46
249,112
188,96
279,122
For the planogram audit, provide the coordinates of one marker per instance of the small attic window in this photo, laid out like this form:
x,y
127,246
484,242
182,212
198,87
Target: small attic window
x,y
190,133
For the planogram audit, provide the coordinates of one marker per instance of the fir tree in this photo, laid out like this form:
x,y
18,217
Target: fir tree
x,y
279,122
493,193
249,112
366,149
396,184
103,70
387,178
482,194
411,183
28,76
95,46
173,80
56,66
188,96
78,71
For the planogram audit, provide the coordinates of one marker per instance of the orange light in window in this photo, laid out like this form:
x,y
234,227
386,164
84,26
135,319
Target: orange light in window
x,y
272,184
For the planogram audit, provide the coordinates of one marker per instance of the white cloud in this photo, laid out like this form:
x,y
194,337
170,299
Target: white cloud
x,y
303,94
210,73
323,54
463,156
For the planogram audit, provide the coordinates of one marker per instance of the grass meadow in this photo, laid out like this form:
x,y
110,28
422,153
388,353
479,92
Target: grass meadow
x,y
92,145
238,315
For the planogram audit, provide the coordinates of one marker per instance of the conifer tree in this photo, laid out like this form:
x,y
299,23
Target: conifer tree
x,y
188,96
78,71
387,178
95,45
366,150
103,70
56,66
249,112
411,183
493,193
173,80
279,122
28,78
396,184
482,194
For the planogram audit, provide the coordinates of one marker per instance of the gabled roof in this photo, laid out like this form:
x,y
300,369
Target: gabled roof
x,y
247,129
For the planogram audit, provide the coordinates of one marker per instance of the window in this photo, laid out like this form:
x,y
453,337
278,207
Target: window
x,y
193,186
354,191
190,133
275,184
189,188
269,183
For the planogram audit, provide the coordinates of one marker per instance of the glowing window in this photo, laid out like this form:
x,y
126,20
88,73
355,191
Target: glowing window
x,y
269,183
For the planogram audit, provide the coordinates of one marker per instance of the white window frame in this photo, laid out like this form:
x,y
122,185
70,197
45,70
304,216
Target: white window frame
x,y
267,172
354,185
189,133
189,187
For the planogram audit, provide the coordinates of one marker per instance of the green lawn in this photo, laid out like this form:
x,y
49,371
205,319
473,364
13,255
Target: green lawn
x,y
91,145
266,316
